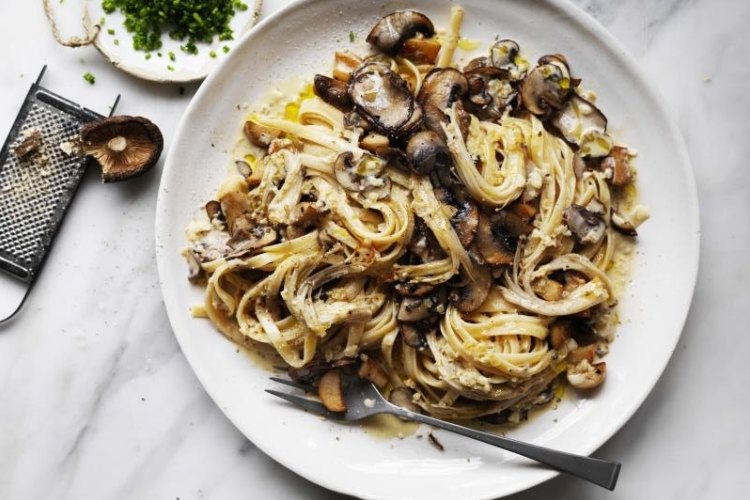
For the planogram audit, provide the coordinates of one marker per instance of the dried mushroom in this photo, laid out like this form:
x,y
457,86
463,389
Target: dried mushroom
x,y
393,30
125,146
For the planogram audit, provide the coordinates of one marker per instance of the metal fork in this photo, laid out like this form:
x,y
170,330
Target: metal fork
x,y
364,400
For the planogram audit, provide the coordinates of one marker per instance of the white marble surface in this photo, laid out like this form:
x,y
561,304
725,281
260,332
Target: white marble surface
x,y
99,403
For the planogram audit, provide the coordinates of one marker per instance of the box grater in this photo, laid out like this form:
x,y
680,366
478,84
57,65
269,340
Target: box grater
x,y
36,189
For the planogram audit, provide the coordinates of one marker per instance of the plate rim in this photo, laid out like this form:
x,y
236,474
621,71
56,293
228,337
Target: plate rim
x,y
692,253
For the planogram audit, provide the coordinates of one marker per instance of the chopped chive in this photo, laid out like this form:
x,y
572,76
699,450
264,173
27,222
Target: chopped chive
x,y
89,78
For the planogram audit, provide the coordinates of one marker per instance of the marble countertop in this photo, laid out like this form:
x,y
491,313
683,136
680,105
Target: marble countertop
x,y
98,402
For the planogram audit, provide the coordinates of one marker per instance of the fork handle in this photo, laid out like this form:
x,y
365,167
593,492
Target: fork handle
x,y
601,472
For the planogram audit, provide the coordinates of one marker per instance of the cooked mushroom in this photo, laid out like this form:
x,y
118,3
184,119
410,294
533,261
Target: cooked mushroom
x,y
391,32
413,289
414,334
394,157
420,50
372,371
477,62
584,375
588,227
259,135
497,236
546,87
617,164
213,211
373,141
583,124
413,309
195,271
331,392
490,92
403,397
466,217
364,176
423,243
353,119
31,141
249,237
560,332
504,54
426,152
623,224
472,295
333,92
125,146
582,353
440,88
382,98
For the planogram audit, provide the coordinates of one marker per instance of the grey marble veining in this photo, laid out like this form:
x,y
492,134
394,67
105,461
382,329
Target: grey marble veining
x,y
99,403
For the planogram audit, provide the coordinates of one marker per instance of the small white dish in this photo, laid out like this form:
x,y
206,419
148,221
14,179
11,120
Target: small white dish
x,y
299,41
116,44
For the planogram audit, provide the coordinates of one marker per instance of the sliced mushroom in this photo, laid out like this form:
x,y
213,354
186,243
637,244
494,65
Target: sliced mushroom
x,y
413,289
584,375
363,177
560,332
260,135
426,152
124,146
415,334
588,227
331,392
477,62
391,32
333,92
545,87
583,124
623,224
582,353
472,295
617,164
420,50
372,371
214,212
195,271
382,98
374,141
466,217
413,309
249,238
423,243
31,142
497,236
440,88
353,119
394,157
403,397
490,92
504,54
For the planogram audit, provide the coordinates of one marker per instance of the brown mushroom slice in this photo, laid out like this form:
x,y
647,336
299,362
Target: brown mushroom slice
x,y
372,371
415,334
413,309
545,87
394,157
618,165
373,141
331,392
382,98
125,146
466,217
472,295
363,177
622,223
30,143
195,271
588,227
413,289
490,92
579,121
505,54
247,239
259,135
497,236
420,50
560,332
333,92
427,152
440,88
214,212
393,30
584,375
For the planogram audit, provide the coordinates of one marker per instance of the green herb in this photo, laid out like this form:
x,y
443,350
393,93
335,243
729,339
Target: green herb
x,y
148,55
171,55
225,48
191,20
89,78
116,41
352,37
212,54
170,67
101,21
110,31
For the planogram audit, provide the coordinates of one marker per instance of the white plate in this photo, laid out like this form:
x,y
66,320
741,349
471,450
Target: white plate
x,y
299,41
118,47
